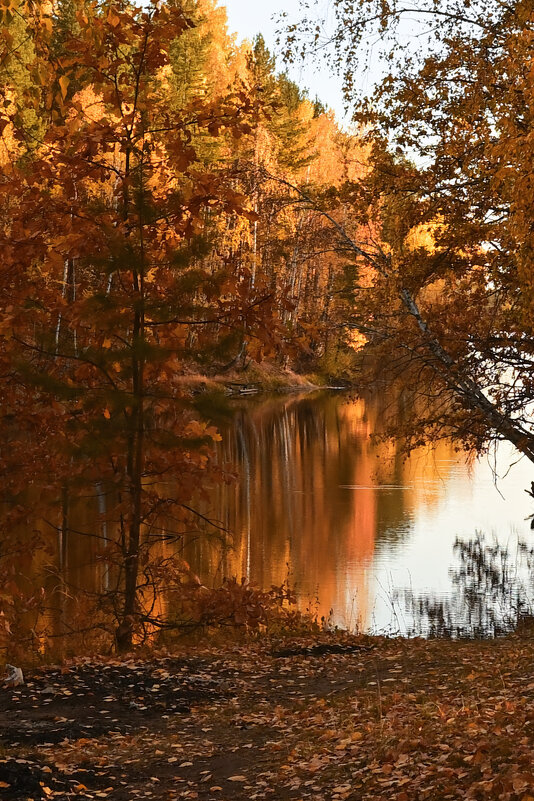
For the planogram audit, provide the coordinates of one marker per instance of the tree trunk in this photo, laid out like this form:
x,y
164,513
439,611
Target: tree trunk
x,y
136,446
125,629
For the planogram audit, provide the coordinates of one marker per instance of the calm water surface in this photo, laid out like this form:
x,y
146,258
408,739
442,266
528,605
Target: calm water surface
x,y
370,540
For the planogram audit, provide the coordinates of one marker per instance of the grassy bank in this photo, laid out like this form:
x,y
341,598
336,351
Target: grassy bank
x,y
263,377
327,718
270,377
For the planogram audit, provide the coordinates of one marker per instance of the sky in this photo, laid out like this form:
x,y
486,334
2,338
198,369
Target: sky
x,y
249,17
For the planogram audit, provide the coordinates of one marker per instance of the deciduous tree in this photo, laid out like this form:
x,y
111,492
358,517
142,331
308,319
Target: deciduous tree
x,y
443,219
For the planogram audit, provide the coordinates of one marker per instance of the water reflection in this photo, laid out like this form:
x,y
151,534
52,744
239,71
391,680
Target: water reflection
x,y
306,505
370,540
493,592
352,523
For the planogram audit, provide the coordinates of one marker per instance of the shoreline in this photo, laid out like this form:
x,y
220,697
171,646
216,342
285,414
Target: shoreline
x,y
260,379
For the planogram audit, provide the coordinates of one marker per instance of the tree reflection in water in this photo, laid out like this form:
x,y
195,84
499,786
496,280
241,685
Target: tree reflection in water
x,y
493,593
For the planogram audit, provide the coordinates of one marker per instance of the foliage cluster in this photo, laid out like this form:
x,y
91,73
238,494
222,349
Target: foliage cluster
x,y
442,222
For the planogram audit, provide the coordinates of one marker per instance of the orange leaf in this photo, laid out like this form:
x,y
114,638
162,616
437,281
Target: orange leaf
x,y
63,85
113,18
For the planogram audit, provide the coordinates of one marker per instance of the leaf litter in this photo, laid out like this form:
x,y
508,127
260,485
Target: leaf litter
x,y
393,720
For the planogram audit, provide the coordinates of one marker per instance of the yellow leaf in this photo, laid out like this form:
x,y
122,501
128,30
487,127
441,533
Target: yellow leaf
x,y
107,415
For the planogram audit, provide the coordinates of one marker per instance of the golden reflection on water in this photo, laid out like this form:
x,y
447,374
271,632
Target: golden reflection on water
x,y
315,497
318,503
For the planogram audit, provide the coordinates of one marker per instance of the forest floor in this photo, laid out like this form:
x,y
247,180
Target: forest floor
x,y
323,718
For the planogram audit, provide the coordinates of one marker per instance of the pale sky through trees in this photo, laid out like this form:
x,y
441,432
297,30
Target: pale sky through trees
x,y
249,17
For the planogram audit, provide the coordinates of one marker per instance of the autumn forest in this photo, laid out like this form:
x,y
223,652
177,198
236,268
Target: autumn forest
x,y
266,402
154,229
180,222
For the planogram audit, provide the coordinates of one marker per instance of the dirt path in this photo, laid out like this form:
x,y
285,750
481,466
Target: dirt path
x,y
387,719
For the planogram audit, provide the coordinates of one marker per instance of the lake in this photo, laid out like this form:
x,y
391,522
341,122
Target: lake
x,y
433,544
